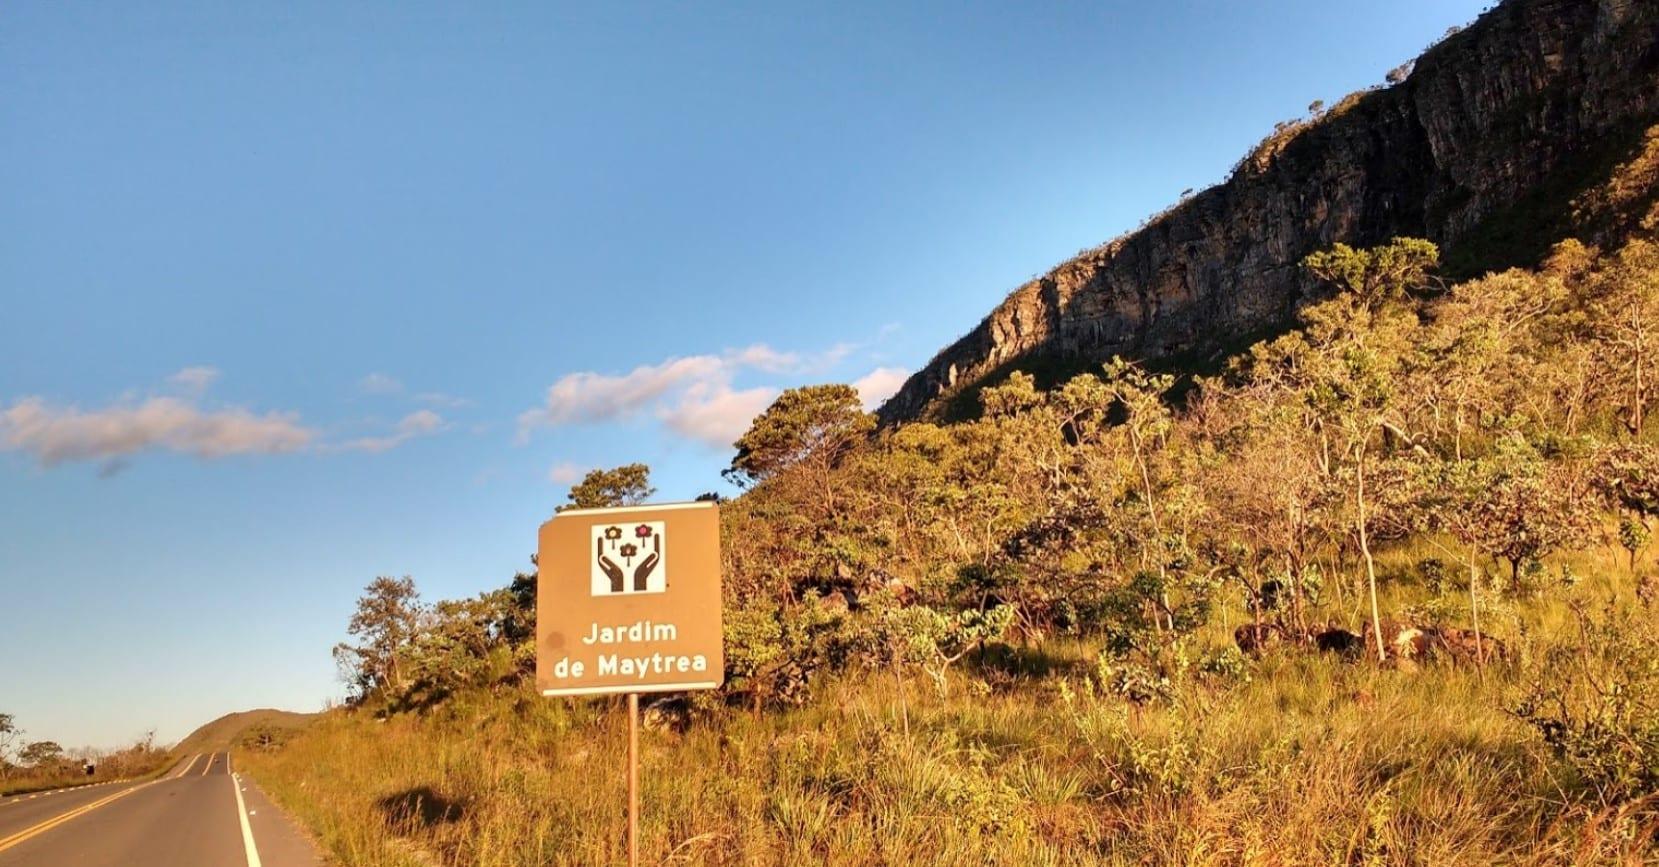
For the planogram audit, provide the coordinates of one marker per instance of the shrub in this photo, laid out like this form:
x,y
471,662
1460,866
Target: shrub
x,y
773,651
933,640
1633,537
1595,702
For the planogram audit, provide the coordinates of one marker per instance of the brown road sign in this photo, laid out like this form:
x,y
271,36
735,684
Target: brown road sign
x,y
628,600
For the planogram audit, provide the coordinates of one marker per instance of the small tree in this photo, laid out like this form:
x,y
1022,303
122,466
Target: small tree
x,y
1146,424
1627,313
1520,508
813,425
1634,536
935,640
41,754
628,485
1627,475
388,619
1351,383
1380,274
799,441
464,642
10,734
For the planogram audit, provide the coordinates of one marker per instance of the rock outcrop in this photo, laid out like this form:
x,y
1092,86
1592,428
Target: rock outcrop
x,y
1480,149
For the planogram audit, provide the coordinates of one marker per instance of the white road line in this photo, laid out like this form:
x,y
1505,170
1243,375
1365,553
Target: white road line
x,y
209,765
247,830
12,799
188,766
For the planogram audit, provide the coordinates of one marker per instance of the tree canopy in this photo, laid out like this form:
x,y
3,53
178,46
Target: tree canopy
x,y
816,423
627,485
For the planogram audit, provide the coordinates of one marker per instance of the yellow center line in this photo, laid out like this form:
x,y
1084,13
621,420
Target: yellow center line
x,y
49,824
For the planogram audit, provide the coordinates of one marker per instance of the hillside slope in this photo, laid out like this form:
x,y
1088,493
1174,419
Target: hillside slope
x,y
1482,150
226,731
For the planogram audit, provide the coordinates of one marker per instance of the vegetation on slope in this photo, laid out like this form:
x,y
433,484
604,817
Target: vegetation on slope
x,y
30,765
1382,591
262,726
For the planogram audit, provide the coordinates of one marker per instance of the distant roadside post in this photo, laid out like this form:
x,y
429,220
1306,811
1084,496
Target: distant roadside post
x,y
628,601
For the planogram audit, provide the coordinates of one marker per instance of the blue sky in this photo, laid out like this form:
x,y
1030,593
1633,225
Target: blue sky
x,y
294,295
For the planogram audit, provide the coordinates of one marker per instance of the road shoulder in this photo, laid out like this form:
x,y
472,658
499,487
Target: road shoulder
x,y
280,840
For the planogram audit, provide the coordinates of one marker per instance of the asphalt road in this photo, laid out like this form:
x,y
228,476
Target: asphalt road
x,y
199,814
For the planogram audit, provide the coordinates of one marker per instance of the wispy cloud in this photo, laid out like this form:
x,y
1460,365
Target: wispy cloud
x,y
384,384
194,381
419,423
441,400
178,422
56,434
879,385
715,414
379,383
692,395
766,359
565,473
588,397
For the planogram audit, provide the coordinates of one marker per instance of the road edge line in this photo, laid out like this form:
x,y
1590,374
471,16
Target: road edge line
x,y
242,813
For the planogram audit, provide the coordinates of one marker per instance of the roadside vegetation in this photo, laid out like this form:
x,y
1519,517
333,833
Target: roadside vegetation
x,y
1384,591
28,765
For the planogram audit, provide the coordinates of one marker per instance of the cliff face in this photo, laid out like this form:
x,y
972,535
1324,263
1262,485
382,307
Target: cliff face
x,y
1490,136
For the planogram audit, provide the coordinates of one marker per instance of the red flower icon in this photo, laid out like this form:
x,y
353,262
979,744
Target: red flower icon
x,y
643,531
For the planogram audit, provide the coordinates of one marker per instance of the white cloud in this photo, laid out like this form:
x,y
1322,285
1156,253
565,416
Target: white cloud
x,y
421,422
715,414
879,385
379,383
831,356
587,397
694,396
54,435
565,473
195,380
763,357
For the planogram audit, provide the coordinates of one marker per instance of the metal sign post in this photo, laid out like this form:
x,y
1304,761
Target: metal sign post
x,y
628,601
633,779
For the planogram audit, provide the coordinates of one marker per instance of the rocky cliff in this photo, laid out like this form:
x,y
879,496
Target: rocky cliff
x,y
1481,149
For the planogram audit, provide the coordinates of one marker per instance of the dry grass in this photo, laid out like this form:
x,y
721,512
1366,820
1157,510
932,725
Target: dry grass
x,y
1310,761
70,775
227,731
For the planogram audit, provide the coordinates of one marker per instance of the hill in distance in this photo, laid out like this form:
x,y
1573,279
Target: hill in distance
x,y
227,731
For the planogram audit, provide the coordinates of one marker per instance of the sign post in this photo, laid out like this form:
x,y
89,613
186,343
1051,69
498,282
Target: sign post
x,y
633,779
628,601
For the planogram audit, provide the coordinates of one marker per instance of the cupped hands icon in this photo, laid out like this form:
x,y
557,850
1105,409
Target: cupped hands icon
x,y
642,572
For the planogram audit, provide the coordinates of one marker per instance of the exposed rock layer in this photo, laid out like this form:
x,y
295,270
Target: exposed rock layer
x,y
1497,126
